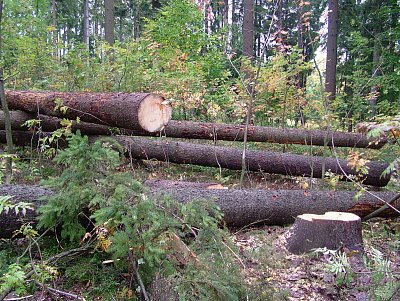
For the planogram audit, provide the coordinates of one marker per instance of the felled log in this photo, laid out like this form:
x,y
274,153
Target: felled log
x,y
209,131
230,158
240,207
140,111
47,123
331,230
11,221
232,132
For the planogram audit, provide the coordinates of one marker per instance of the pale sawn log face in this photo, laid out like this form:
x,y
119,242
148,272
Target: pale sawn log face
x,y
120,110
332,230
154,113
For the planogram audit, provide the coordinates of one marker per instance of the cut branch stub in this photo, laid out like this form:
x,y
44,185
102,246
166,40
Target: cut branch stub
x,y
137,111
331,230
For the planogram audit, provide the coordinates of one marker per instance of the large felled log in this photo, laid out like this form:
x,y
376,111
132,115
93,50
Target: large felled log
x,y
331,230
210,131
240,207
139,111
230,158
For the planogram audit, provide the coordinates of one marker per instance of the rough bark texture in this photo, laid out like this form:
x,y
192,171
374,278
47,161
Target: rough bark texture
x,y
230,158
331,49
124,110
210,131
109,22
232,132
248,28
10,222
226,157
86,25
49,124
332,230
240,207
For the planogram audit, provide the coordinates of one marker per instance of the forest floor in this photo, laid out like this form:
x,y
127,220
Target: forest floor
x,y
269,270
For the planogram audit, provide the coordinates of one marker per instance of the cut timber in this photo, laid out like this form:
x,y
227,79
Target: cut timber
x,y
331,230
209,131
138,111
49,124
240,207
10,221
231,158
231,132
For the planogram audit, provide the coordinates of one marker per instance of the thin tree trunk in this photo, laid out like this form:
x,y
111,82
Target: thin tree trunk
x,y
248,28
375,72
109,21
86,23
331,50
54,24
4,105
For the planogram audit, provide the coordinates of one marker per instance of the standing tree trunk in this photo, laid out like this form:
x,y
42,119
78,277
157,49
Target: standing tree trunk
x,y
375,72
109,21
248,28
54,24
10,147
86,23
331,50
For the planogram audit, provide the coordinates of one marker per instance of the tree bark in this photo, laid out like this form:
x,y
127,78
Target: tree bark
x,y
209,131
4,105
231,132
140,111
86,23
10,222
331,49
109,21
248,28
332,230
231,158
240,207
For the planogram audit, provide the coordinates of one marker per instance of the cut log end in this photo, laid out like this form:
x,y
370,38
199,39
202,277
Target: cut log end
x,y
331,230
154,113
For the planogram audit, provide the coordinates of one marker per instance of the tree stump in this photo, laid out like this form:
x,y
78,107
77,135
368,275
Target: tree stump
x,y
331,230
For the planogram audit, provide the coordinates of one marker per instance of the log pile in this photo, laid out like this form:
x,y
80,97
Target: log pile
x,y
146,114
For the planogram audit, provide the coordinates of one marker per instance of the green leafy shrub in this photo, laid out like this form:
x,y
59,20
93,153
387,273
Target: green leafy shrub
x,y
140,229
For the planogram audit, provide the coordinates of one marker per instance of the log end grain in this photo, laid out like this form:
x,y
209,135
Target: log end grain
x,y
154,113
331,230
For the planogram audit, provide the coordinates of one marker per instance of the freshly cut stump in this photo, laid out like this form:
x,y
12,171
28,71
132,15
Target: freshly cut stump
x,y
144,112
330,230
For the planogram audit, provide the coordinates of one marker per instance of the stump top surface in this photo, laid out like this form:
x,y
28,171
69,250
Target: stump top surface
x,y
331,216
